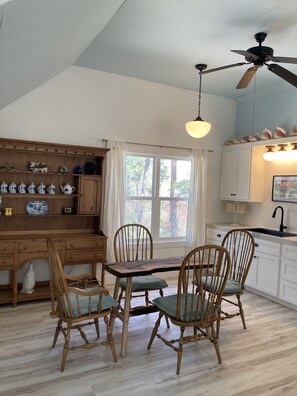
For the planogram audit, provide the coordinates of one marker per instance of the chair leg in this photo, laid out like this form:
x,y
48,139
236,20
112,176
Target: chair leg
x,y
111,320
66,346
147,300
120,296
96,321
241,311
83,335
218,324
59,329
110,338
216,344
214,339
155,331
180,349
167,320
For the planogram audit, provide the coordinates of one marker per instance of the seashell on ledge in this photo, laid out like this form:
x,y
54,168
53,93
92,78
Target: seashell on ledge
x,y
279,133
294,130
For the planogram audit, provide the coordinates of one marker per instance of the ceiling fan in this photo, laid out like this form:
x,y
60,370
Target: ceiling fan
x,y
259,56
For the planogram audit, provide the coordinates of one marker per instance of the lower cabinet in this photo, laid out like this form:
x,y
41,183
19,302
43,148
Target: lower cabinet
x,y
273,272
265,267
215,236
288,275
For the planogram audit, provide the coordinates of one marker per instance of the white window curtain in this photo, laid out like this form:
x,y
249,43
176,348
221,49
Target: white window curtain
x,y
197,200
113,193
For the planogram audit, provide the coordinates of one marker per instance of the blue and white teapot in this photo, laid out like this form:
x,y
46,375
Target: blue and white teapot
x,y
22,188
67,189
31,188
51,189
4,187
41,188
12,188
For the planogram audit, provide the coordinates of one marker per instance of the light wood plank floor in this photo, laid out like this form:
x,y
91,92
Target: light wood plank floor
x,y
261,360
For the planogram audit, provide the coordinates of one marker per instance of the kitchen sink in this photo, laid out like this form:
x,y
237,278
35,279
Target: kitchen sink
x,y
267,231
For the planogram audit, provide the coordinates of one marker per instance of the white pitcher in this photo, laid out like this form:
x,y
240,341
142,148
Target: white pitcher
x,y
29,280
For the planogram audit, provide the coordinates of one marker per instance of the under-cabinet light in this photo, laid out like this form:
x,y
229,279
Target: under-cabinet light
x,y
283,152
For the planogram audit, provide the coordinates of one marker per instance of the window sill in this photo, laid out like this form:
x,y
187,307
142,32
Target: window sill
x,y
169,244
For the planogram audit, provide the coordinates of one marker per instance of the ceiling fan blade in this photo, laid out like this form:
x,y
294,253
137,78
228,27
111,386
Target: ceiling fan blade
x,y
283,73
225,67
284,59
247,77
246,53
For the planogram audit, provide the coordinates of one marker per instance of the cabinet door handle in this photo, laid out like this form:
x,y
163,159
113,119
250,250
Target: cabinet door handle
x,y
232,195
219,235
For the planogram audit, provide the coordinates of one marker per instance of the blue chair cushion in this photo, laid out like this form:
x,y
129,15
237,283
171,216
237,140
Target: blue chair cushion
x,y
231,287
191,309
83,301
147,282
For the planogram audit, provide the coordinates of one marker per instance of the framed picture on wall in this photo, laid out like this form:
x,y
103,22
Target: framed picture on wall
x,y
284,189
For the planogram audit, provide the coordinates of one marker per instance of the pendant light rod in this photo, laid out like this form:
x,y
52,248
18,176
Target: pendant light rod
x,y
200,67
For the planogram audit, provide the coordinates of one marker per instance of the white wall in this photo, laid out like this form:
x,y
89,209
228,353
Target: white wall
x,y
83,106
260,214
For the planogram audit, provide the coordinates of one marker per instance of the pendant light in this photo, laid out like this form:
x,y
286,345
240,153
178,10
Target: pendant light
x,y
198,128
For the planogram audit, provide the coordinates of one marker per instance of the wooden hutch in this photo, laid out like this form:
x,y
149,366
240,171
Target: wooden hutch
x,y
75,229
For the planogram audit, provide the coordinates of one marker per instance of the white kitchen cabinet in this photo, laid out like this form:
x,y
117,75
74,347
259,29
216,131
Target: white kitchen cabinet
x,y
242,173
215,236
288,275
264,271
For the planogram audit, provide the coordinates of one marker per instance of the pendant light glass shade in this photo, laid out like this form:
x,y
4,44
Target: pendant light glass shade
x,y
198,128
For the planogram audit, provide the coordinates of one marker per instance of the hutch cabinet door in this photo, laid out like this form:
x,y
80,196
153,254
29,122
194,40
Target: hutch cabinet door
x,y
90,194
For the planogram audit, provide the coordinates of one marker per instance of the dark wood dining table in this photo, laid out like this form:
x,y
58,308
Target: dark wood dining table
x,y
131,269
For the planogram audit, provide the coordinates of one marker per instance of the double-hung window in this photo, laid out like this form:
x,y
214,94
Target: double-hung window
x,y
157,193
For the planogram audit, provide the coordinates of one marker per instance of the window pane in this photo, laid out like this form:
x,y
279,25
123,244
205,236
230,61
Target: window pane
x,y
139,211
174,178
173,219
139,176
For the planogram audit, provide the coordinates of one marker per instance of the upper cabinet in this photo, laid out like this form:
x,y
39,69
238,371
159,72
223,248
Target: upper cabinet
x,y
242,173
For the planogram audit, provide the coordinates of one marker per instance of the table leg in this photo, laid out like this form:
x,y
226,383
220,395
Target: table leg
x,y
126,316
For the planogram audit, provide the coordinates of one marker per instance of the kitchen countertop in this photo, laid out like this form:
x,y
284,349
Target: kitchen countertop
x,y
282,240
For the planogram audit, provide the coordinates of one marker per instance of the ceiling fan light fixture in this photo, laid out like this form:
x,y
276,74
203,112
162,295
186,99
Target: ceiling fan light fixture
x,y
198,128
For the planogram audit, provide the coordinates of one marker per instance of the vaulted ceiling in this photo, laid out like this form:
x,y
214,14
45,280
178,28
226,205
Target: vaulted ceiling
x,y
154,40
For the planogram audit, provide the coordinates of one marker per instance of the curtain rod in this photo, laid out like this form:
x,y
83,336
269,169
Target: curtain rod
x,y
160,146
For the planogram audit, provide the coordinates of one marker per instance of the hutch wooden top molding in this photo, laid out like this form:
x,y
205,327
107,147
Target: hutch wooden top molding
x,y
77,233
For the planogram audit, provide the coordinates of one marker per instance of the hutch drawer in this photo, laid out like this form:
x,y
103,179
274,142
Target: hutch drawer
x,y
85,257
81,243
6,248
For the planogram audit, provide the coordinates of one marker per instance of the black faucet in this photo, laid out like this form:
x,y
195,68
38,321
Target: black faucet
x,y
281,227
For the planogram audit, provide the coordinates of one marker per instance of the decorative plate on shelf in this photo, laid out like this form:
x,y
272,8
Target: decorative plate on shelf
x,y
37,208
